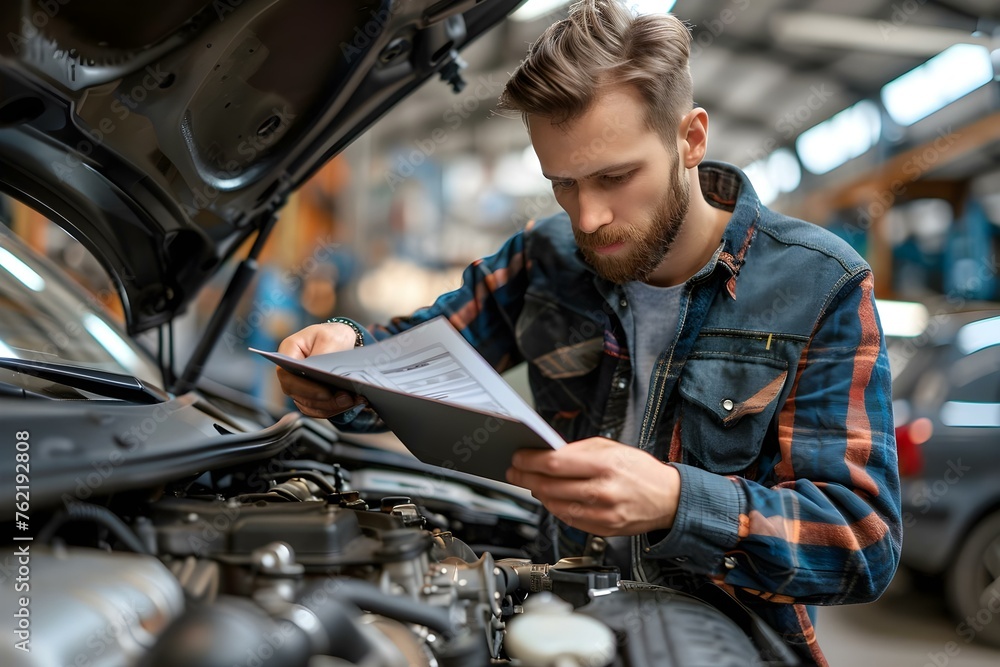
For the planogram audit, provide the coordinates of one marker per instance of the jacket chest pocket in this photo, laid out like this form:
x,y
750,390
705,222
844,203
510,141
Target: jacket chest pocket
x,y
726,407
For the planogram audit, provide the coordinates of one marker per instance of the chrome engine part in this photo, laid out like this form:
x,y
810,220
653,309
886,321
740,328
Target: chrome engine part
x,y
87,606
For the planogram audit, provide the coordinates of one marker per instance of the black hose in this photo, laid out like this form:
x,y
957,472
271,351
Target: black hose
x,y
368,597
88,512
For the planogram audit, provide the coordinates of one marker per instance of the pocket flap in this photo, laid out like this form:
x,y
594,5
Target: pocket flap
x,y
732,388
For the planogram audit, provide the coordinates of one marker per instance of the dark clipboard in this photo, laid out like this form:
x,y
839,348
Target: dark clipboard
x,y
439,433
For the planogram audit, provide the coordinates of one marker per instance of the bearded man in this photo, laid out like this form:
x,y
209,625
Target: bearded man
x,y
717,368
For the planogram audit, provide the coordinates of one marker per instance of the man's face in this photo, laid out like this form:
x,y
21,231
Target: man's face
x,y
618,182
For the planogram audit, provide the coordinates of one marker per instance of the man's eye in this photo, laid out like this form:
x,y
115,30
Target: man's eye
x,y
617,179
562,185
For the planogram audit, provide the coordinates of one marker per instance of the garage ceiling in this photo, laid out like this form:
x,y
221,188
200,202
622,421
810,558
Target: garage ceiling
x,y
765,70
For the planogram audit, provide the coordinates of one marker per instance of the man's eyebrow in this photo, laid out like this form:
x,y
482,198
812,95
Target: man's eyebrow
x,y
600,172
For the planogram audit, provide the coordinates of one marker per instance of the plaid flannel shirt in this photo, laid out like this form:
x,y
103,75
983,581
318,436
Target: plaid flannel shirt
x,y
773,402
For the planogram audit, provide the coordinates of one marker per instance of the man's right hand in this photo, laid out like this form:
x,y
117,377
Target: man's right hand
x,y
311,398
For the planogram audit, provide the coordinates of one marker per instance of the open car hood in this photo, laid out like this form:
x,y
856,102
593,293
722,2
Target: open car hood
x,y
162,136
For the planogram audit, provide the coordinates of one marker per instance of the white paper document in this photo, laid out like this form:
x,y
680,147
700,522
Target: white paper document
x,y
406,378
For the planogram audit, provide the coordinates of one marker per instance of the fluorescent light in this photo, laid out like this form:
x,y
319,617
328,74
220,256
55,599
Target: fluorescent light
x,y
963,413
772,175
110,341
21,271
762,185
953,73
979,335
840,138
534,9
519,174
650,6
902,319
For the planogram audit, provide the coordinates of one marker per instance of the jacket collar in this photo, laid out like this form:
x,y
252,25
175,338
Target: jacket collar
x,y
727,187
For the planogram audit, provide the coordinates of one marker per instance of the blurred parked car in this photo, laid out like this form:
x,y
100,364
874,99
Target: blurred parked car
x,y
161,520
947,418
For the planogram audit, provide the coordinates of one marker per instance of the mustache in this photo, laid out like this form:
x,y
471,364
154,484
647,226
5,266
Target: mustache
x,y
604,236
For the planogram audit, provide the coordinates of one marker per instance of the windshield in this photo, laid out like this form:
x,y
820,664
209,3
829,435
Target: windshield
x,y
44,318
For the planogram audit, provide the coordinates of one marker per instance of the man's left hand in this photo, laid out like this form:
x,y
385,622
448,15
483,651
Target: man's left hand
x,y
600,486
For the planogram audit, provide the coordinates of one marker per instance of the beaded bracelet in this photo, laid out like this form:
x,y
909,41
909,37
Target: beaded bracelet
x,y
359,338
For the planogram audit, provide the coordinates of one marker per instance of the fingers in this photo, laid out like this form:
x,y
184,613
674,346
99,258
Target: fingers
x,y
600,486
324,410
584,459
314,399
596,519
549,489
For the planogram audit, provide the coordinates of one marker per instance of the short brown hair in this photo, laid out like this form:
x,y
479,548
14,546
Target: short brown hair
x,y
602,44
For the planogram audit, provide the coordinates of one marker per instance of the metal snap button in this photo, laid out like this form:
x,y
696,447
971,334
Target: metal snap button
x,y
622,384
727,405
623,303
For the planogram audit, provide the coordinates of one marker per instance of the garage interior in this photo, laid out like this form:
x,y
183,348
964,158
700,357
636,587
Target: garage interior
x,y
877,119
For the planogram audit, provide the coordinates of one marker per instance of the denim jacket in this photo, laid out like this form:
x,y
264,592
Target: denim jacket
x,y
773,400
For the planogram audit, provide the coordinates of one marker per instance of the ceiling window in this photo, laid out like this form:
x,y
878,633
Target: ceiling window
x,y
953,73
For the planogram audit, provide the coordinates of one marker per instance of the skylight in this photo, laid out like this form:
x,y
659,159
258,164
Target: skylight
x,y
534,9
777,173
953,73
840,138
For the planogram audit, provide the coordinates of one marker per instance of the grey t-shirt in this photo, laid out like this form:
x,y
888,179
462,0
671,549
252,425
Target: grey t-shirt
x,y
651,325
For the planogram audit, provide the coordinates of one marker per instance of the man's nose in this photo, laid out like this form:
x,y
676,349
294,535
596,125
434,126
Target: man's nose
x,y
593,212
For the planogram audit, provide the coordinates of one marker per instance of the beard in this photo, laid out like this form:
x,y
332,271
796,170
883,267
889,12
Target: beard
x,y
646,244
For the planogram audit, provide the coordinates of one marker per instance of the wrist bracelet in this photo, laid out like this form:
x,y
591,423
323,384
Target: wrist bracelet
x,y
359,337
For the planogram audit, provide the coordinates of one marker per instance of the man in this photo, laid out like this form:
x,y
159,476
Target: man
x,y
718,368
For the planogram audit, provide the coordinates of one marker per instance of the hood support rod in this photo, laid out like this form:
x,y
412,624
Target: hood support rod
x,y
238,284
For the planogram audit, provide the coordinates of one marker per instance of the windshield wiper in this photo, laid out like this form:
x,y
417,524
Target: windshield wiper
x,y
8,390
102,383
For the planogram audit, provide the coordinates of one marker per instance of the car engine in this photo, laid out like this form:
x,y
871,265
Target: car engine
x,y
316,558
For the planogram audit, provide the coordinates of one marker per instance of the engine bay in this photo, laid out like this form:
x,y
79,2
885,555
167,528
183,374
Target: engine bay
x,y
328,554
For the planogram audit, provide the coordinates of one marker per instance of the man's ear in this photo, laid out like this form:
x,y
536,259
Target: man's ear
x,y
692,137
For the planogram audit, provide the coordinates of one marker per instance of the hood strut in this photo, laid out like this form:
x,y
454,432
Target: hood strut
x,y
241,279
